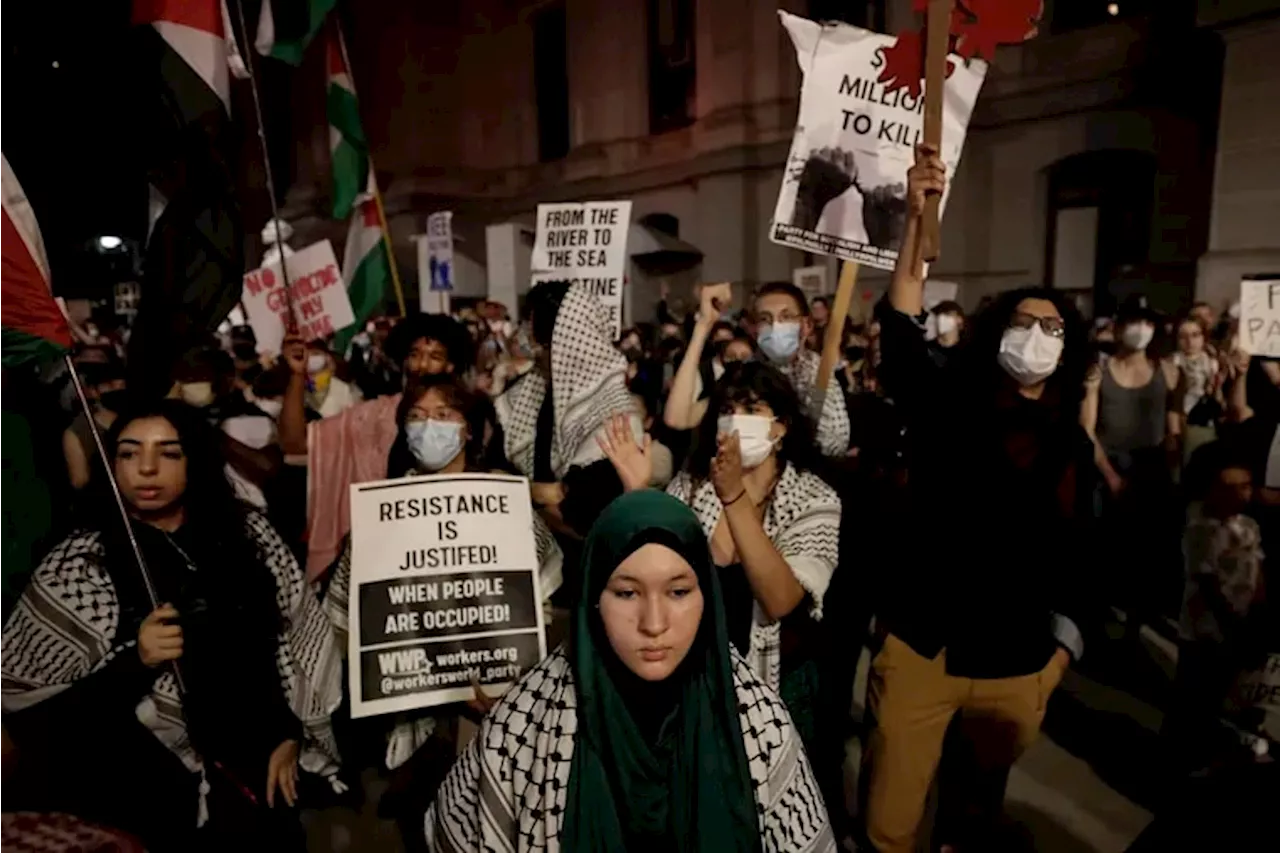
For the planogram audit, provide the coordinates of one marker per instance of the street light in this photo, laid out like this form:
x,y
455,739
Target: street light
x,y
109,242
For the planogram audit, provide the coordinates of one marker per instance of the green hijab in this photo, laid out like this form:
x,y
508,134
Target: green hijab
x,y
680,783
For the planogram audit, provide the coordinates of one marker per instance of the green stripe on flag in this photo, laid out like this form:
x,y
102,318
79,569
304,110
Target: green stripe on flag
x,y
296,23
351,155
20,347
367,292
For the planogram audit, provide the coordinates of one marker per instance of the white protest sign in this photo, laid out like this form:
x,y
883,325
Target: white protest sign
x,y
844,192
585,242
444,589
1260,317
440,250
320,302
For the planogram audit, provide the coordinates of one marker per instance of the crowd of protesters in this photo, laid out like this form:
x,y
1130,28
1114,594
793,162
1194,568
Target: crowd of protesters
x,y
971,499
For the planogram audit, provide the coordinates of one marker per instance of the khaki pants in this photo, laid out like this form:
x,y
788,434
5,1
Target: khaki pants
x,y
912,701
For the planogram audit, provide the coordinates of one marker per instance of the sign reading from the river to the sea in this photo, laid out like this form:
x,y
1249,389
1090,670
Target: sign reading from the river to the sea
x,y
444,590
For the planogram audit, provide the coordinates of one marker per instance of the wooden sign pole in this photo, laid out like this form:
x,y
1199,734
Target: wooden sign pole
x,y
937,35
831,342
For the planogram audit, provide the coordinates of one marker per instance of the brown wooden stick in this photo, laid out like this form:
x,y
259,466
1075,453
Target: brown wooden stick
x,y
835,333
938,38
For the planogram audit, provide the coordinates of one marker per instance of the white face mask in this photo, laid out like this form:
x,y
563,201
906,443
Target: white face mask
x,y
272,408
317,362
1136,336
1029,355
434,443
198,394
947,324
753,436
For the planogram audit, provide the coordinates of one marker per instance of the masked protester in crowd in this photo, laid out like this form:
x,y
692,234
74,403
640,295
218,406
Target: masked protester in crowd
x,y
782,321
327,395
773,526
550,421
244,351
646,732
352,447
89,692
1134,417
104,386
438,433
982,615
949,317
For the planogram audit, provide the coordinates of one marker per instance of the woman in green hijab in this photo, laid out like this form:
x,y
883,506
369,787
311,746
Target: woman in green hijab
x,y
646,733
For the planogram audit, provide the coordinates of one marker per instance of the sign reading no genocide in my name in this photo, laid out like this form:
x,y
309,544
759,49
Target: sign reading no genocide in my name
x,y
1260,316
587,242
444,590
316,295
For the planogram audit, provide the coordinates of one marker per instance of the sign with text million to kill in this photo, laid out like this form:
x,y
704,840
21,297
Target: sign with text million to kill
x,y
444,590
319,297
587,242
1260,317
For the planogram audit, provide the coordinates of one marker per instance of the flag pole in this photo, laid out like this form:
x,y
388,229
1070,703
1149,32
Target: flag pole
x,y
373,173
152,597
243,36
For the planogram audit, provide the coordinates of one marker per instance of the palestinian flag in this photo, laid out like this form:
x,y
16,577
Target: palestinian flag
x,y
194,259
34,327
365,267
286,27
347,145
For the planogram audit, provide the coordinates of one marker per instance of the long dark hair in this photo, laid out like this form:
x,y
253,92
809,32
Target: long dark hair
x,y
400,460
215,516
745,383
1064,390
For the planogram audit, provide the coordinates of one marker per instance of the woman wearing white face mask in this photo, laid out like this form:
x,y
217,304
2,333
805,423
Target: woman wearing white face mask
x,y
773,525
987,597
437,423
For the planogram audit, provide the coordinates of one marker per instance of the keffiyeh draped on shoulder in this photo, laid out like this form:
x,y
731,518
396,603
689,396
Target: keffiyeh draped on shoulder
x,y
66,627
802,520
508,790
588,386
833,423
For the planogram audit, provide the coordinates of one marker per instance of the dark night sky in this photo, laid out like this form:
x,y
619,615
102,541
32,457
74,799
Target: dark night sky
x,y
66,130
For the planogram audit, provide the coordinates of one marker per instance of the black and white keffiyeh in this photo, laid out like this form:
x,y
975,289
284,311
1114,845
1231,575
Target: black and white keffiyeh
x,y
802,520
833,425
588,387
507,792
64,628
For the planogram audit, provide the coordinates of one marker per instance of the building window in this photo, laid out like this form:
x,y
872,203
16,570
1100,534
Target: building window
x,y
868,14
672,72
551,81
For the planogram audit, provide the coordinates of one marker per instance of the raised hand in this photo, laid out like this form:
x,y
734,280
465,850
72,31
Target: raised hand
x,y
632,461
282,773
726,469
294,352
927,177
713,299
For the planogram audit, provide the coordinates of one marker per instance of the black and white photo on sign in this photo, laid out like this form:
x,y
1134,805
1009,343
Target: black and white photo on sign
x,y
1260,316
844,190
444,590
585,242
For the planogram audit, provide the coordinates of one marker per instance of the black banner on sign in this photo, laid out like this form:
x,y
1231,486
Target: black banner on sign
x,y
435,606
446,664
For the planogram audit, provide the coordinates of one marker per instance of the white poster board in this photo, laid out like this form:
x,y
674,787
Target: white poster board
x,y
444,589
585,242
844,191
319,297
1260,317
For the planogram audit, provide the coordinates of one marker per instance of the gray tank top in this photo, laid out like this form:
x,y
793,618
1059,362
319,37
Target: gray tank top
x,y
1131,419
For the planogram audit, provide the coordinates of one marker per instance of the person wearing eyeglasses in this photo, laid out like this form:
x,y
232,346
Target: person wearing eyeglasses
x,y
980,617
